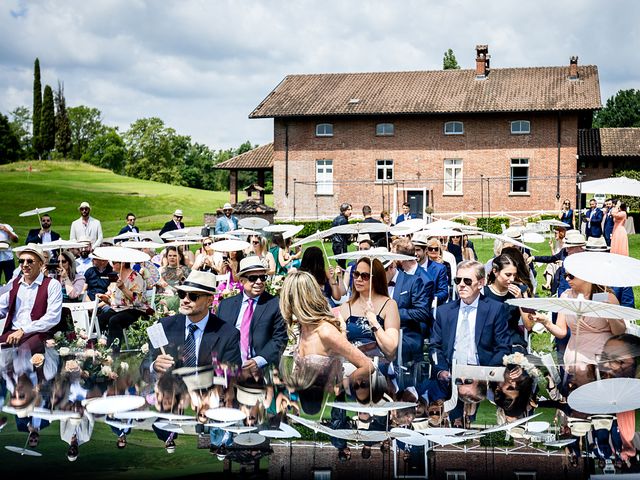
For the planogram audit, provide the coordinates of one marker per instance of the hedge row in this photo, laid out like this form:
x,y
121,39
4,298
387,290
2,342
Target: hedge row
x,y
492,225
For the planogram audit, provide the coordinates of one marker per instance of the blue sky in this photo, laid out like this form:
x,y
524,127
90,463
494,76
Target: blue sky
x,y
203,65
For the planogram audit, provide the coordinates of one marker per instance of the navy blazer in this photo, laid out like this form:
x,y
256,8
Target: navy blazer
x,y
34,237
493,340
411,295
438,273
220,340
608,227
594,227
170,226
268,332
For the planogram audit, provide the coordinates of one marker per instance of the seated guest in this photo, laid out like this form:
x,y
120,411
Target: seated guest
x,y
126,301
428,253
174,272
97,277
331,284
280,254
205,259
72,282
259,247
83,262
230,265
130,227
33,304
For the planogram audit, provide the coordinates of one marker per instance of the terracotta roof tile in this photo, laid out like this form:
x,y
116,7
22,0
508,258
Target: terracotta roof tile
x,y
441,91
609,142
259,157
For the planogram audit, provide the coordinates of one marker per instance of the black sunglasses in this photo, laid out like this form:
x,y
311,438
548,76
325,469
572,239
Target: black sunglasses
x,y
255,278
362,384
463,381
467,281
207,244
568,276
433,249
28,261
192,295
364,275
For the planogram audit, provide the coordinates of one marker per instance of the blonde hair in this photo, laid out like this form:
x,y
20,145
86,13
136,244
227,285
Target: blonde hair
x,y
434,242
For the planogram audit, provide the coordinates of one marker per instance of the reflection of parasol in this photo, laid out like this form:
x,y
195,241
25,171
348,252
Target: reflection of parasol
x,y
358,435
278,434
239,429
136,415
53,415
23,451
224,414
604,268
439,431
121,254
410,437
249,439
509,426
560,443
255,223
381,408
230,245
169,427
537,427
612,395
289,430
119,425
444,440
175,417
114,404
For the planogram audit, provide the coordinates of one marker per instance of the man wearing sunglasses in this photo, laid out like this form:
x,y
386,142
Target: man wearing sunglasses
x,y
437,271
227,221
44,234
33,304
256,315
196,336
130,227
86,226
174,224
473,330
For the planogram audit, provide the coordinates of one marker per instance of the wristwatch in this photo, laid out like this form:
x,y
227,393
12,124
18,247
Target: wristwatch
x,y
374,329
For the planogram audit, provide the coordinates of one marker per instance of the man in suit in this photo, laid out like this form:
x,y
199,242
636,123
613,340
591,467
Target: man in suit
x,y
226,222
174,224
473,330
340,242
129,227
406,213
437,271
608,219
196,336
411,295
593,217
255,314
44,234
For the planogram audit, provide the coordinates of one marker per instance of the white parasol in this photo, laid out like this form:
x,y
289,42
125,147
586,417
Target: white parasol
x,y
277,434
142,245
509,426
402,230
289,430
175,417
313,237
612,186
553,223
577,306
120,425
381,254
136,415
121,254
224,236
239,429
224,414
410,437
506,239
278,228
114,404
612,395
532,237
439,431
292,232
127,236
255,223
358,228
450,224
180,242
442,232
381,408
59,244
313,425
444,440
53,415
604,268
249,439
537,427
169,427
230,245
36,211
244,232
23,451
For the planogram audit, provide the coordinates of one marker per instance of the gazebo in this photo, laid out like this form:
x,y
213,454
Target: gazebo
x,y
259,159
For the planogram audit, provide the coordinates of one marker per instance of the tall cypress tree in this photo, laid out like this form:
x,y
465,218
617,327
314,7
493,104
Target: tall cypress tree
x,y
37,108
47,121
63,127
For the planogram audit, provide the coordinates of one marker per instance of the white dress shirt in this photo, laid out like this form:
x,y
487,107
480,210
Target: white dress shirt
x,y
92,230
392,288
24,303
472,352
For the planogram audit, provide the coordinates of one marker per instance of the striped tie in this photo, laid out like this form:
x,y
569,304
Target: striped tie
x,y
190,347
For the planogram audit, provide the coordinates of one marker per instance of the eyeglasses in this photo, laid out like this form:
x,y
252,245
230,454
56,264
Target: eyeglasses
x,y
28,261
178,216
363,384
256,242
568,276
364,275
84,209
433,249
467,281
192,295
463,381
207,244
255,278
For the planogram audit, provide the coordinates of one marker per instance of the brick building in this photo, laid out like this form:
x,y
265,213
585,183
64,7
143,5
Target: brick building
x,y
478,141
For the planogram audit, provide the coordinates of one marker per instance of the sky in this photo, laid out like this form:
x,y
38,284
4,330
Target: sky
x,y
202,66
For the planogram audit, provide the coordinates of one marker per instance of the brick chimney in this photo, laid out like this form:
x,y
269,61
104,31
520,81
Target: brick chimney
x,y
482,61
573,68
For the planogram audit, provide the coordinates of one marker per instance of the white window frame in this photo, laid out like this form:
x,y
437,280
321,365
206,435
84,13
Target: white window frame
x,y
324,176
454,183
322,474
519,130
450,128
526,475
385,130
385,166
455,475
324,130
519,163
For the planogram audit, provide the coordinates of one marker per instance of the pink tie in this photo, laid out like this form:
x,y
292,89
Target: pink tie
x,y
245,328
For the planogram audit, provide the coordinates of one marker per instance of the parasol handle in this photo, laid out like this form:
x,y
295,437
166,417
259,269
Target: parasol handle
x,y
324,250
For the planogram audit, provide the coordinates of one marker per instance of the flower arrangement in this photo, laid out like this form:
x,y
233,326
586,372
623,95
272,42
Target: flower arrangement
x,y
225,290
274,285
522,361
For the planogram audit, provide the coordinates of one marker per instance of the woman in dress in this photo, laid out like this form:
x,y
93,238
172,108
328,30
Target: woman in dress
x,y
375,333
259,248
332,285
619,240
205,260
280,254
72,282
566,214
174,273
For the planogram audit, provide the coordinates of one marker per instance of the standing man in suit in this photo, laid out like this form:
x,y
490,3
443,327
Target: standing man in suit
x,y
406,213
473,330
255,314
608,219
226,222
340,242
196,336
44,234
593,217
129,227
174,224
437,271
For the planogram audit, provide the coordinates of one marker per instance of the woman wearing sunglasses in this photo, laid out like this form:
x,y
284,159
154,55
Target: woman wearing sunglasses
x,y
566,214
374,333
259,248
588,334
205,261
72,282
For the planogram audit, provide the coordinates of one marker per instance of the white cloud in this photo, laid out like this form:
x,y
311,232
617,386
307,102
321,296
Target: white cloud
x,y
202,66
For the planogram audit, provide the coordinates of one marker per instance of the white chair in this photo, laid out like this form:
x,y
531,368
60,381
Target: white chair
x,y
223,278
82,320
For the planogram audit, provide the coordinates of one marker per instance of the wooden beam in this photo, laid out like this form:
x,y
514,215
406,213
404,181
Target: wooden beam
x,y
233,186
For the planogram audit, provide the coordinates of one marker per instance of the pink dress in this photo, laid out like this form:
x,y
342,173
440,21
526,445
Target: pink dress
x,y
619,241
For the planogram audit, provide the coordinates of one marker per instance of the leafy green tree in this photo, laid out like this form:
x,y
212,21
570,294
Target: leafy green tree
x,y
9,144
107,150
621,110
633,203
449,61
62,126
48,121
21,126
86,124
37,107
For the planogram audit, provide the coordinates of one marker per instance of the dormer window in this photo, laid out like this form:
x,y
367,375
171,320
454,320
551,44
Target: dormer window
x,y
520,127
324,130
385,130
453,128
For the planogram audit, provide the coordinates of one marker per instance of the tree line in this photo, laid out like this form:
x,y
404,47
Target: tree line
x,y
148,149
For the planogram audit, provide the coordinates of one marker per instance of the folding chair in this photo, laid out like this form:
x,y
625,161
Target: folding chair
x,y
81,318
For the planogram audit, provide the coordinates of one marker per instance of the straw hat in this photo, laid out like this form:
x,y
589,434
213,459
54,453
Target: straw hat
x,y
198,281
574,239
596,244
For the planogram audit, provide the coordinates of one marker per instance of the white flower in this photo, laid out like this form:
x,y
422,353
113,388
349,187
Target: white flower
x,y
124,367
89,353
57,335
50,343
64,351
144,348
81,343
106,370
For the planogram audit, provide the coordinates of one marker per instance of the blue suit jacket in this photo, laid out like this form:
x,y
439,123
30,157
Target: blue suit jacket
x,y
33,236
438,273
493,340
594,228
411,295
608,227
222,226
268,332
